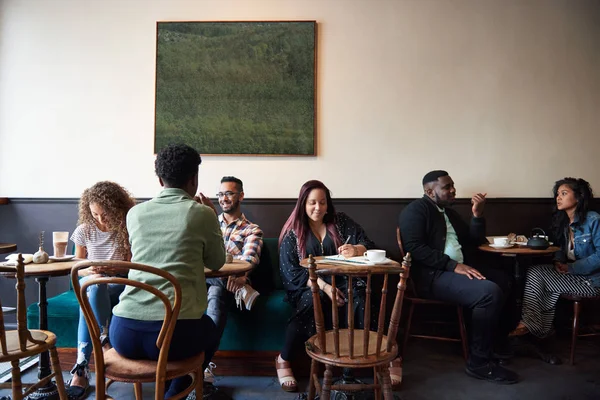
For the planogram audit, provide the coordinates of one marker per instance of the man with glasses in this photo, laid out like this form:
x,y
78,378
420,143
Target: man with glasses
x,y
243,240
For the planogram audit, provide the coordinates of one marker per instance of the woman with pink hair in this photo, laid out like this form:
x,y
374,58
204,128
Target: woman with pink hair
x,y
314,227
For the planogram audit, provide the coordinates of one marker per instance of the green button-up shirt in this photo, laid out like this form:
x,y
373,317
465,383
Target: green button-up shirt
x,y
174,233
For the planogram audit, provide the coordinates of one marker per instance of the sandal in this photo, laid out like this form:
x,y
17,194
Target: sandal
x,y
285,375
79,392
395,369
520,330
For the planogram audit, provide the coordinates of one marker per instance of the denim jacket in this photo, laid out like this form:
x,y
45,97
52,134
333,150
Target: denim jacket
x,y
586,239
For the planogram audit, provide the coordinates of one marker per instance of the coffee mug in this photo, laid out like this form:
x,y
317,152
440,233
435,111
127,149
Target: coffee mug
x,y
501,241
375,255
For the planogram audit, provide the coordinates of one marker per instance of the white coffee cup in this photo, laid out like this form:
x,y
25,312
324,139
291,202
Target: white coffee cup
x,y
375,255
501,241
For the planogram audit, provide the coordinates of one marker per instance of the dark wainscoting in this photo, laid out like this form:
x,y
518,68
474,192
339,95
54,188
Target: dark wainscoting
x,y
21,219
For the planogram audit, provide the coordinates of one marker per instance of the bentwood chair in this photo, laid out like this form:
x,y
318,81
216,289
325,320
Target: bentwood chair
x,y
413,300
355,347
23,343
577,300
112,366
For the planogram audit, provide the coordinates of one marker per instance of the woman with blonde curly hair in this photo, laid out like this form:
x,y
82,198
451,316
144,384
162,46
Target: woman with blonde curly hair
x,y
101,234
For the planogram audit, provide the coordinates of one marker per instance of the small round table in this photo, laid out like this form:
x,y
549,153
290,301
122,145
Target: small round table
x,y
517,251
41,273
235,268
7,248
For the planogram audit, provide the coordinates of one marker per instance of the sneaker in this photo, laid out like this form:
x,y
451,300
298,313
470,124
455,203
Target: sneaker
x,y
210,393
247,294
209,376
492,372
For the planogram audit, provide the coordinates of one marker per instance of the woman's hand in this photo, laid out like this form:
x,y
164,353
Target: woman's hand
x,y
347,250
561,268
328,289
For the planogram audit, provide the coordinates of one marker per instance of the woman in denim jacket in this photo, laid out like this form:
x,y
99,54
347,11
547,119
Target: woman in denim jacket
x,y
576,267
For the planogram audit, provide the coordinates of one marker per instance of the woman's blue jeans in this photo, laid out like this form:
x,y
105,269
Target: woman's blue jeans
x,y
102,300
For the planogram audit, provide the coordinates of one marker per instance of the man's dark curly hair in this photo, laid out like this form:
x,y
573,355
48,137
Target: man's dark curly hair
x,y
176,164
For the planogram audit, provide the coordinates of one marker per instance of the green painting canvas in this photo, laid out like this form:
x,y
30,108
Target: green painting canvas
x,y
236,87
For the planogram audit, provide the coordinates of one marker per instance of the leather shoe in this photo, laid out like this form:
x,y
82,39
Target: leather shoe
x,y
492,372
502,361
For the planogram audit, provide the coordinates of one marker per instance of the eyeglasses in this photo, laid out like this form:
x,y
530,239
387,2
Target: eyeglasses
x,y
227,194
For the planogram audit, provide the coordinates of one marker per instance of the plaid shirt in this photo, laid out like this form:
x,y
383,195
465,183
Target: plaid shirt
x,y
243,239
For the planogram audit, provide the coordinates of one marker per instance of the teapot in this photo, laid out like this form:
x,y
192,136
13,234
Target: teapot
x,y
537,241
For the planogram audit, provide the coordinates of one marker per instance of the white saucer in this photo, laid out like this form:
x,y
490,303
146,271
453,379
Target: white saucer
x,y
501,246
65,258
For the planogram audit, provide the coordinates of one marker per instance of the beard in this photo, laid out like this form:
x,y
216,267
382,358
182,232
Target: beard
x,y
230,208
443,202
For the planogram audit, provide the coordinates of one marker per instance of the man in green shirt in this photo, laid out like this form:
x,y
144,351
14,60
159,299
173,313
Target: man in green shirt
x,y
178,234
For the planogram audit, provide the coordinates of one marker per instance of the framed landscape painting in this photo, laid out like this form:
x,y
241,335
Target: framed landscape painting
x,y
237,88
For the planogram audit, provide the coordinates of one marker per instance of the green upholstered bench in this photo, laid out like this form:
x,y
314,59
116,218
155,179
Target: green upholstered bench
x,y
261,329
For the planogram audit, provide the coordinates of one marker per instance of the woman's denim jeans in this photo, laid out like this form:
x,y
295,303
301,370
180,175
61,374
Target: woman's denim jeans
x,y
102,300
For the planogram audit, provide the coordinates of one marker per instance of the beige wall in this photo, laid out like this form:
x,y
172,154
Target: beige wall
x,y
503,94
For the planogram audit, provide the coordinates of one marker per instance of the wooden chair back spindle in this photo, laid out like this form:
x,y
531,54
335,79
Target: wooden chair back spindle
x,y
397,310
319,320
367,318
335,322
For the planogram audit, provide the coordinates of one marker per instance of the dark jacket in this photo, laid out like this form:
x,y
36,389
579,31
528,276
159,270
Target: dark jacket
x,y
423,232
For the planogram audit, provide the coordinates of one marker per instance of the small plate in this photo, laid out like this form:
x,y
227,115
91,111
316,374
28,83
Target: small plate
x,y
65,258
501,246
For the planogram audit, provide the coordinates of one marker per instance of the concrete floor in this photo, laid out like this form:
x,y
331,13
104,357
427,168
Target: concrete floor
x,y
435,370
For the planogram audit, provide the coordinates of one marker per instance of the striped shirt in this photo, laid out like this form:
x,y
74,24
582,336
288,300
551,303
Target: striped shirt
x,y
99,245
243,239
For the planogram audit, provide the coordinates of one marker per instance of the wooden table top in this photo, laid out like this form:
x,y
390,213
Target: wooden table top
x,y
519,250
330,267
51,268
61,268
237,267
7,248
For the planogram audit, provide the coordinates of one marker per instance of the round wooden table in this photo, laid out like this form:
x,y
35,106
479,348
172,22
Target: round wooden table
x,y
7,248
235,268
517,251
523,346
41,273
345,266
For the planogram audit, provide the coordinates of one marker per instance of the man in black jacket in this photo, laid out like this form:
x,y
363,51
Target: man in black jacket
x,y
438,240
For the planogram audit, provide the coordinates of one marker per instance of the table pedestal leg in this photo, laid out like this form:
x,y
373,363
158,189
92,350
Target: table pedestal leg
x,y
49,391
519,282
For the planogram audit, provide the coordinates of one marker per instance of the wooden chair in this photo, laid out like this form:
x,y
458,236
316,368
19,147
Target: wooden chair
x,y
355,348
112,366
24,343
577,300
413,299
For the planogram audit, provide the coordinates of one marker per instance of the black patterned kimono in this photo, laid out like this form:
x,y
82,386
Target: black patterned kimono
x,y
295,277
